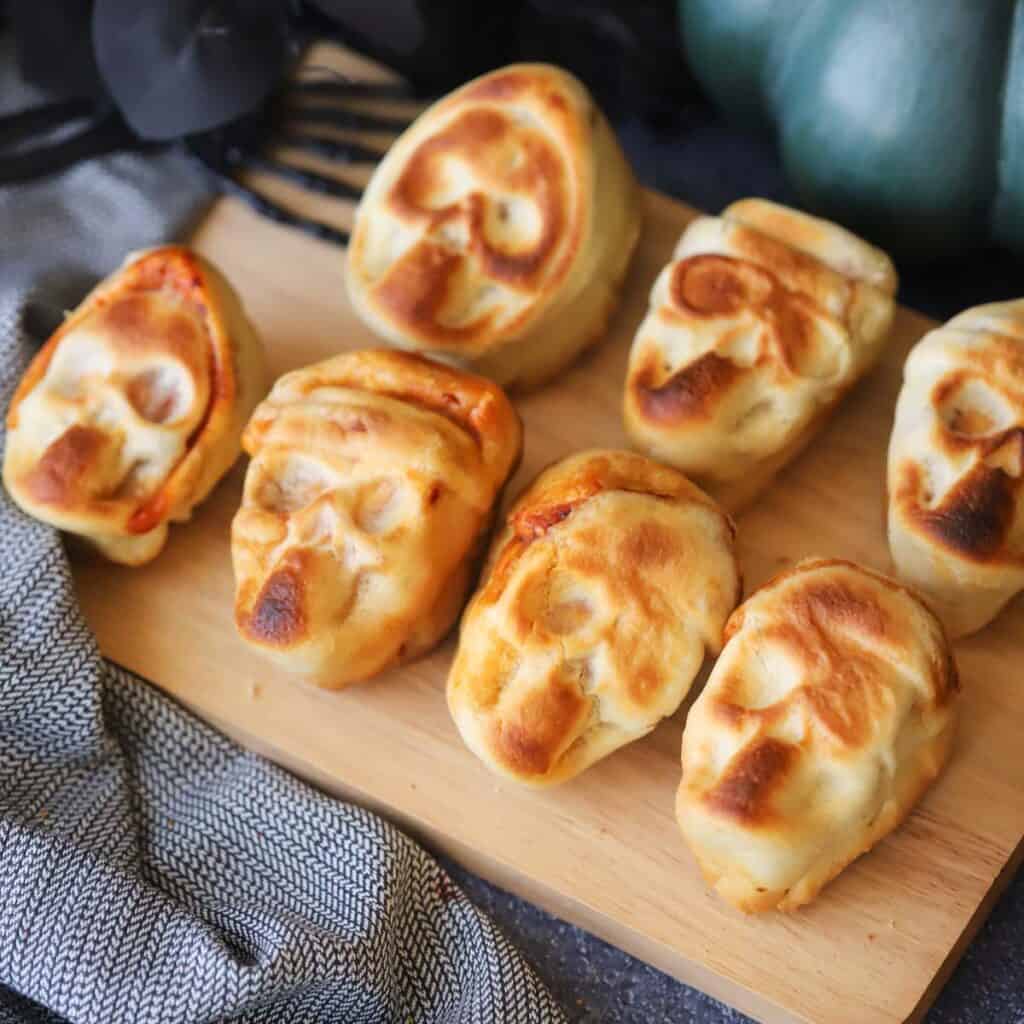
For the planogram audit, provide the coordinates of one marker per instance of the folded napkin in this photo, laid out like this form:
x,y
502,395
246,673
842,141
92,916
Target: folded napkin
x,y
151,870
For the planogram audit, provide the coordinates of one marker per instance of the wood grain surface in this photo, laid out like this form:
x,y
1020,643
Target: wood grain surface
x,y
602,851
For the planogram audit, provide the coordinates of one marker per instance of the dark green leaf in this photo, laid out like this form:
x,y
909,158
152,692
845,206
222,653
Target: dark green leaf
x,y
175,67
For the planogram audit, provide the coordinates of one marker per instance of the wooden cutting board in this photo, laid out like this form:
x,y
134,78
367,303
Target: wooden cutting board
x,y
602,851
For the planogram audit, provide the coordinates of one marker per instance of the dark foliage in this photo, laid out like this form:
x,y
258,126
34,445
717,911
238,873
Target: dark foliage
x,y
177,67
187,66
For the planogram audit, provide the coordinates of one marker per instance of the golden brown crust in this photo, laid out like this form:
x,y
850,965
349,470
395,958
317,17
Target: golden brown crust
x,y
828,713
507,157
476,137
612,576
480,230
278,615
763,321
822,240
56,479
974,517
690,393
580,478
471,402
162,368
956,515
373,479
747,789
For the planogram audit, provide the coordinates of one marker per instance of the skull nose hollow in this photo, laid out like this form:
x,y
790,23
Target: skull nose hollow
x,y
160,394
973,408
379,506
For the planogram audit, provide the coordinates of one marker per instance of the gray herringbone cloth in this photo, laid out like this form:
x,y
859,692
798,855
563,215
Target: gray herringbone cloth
x,y
150,870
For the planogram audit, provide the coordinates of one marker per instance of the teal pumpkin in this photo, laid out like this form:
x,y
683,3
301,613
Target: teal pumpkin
x,y
903,119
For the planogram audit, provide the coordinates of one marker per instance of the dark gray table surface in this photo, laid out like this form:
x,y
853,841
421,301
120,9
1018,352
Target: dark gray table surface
x,y
708,164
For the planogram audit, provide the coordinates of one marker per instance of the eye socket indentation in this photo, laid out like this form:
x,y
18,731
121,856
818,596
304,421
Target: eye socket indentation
x,y
812,344
78,365
974,409
159,395
710,285
295,485
380,506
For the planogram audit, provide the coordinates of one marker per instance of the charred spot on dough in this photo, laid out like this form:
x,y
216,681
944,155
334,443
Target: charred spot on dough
x,y
975,516
745,790
278,615
55,478
543,722
690,393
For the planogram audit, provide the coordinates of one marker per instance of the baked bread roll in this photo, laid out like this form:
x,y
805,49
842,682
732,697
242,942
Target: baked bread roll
x,y
133,410
366,504
496,232
761,323
611,579
956,503
828,714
